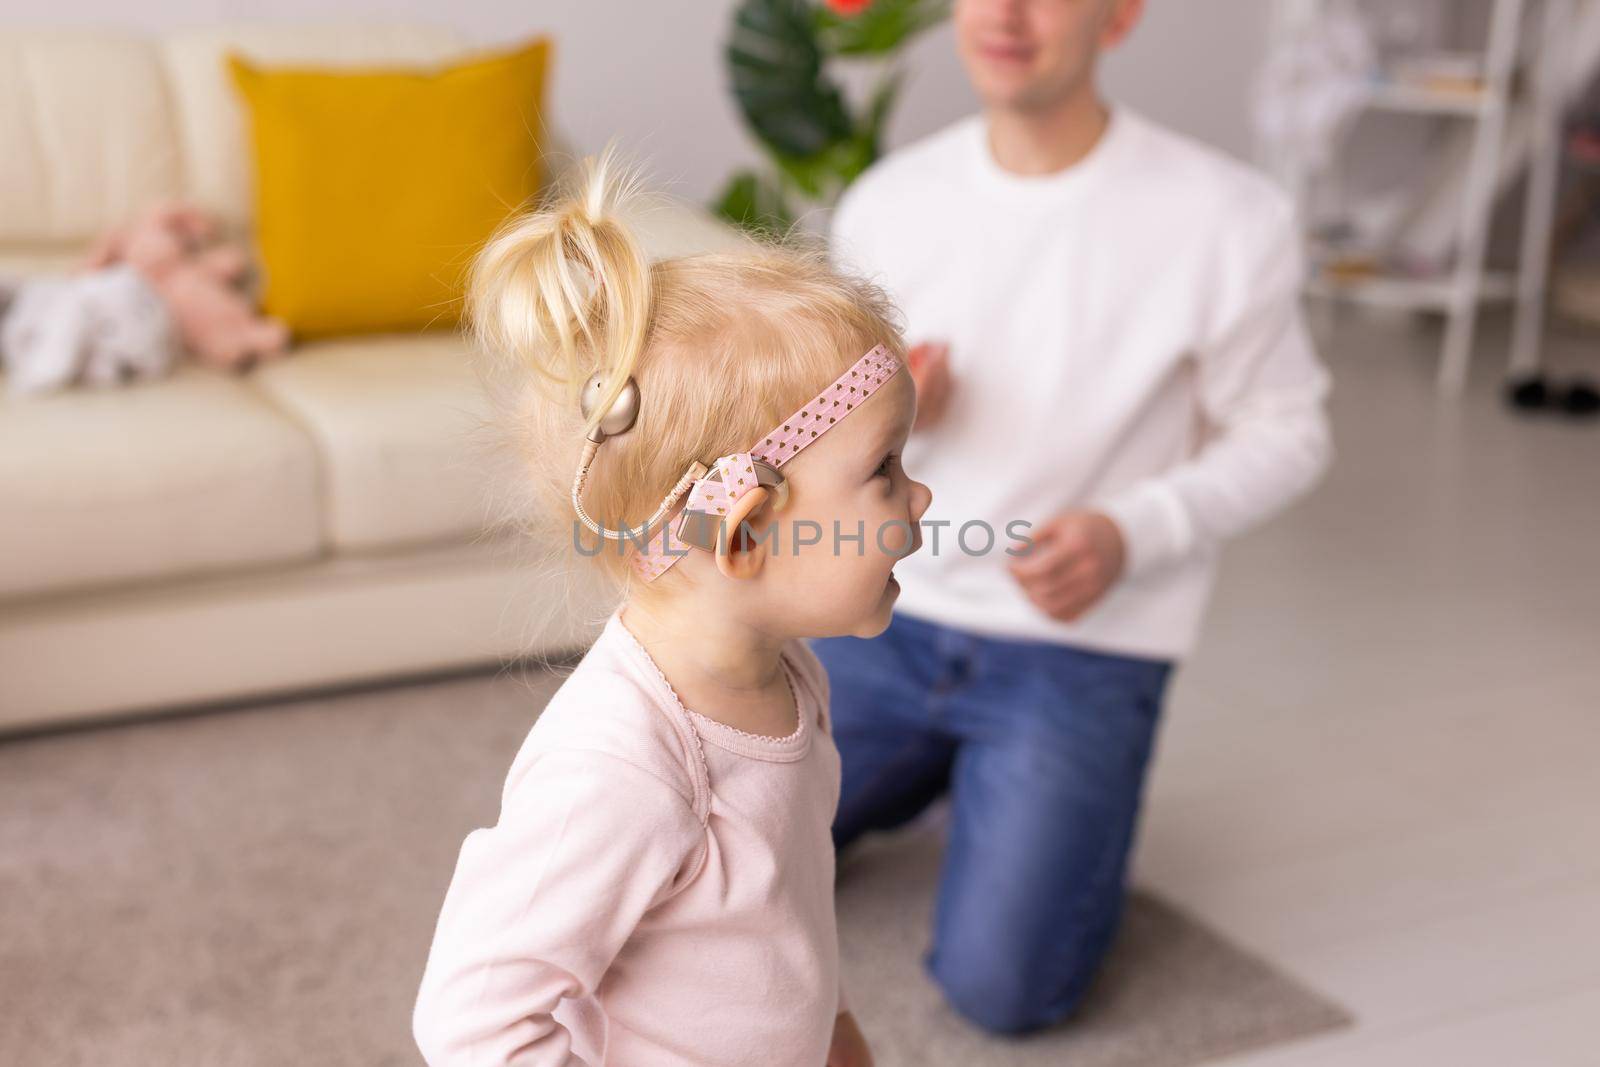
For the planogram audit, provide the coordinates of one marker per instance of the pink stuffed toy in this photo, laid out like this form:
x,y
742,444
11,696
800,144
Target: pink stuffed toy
x,y
175,247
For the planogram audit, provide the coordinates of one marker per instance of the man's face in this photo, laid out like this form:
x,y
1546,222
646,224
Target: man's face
x,y
1032,54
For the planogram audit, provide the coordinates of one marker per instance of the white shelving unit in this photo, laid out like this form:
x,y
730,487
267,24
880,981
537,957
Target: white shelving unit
x,y
1549,106
1459,293
1419,101
1431,294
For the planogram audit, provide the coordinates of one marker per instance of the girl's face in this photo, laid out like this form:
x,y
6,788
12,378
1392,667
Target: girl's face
x,y
853,512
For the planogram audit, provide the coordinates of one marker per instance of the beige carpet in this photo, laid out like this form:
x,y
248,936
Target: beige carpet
x,y
1172,992
254,887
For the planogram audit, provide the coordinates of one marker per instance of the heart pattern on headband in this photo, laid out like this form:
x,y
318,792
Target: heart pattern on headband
x,y
828,407
738,477
813,420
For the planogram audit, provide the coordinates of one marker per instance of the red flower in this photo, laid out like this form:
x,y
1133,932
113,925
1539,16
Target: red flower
x,y
848,8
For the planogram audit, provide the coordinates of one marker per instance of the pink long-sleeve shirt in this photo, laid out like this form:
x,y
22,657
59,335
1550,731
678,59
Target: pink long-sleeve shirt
x,y
658,889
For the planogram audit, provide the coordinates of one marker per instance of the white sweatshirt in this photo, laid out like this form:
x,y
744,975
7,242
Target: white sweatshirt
x,y
1125,335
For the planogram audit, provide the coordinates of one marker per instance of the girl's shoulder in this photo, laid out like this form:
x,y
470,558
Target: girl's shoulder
x,y
610,709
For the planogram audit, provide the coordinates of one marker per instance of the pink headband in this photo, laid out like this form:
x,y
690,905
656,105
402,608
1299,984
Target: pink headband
x,y
735,475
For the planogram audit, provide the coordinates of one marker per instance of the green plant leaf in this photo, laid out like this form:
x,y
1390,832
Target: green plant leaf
x,y
775,64
822,175
755,203
882,27
776,57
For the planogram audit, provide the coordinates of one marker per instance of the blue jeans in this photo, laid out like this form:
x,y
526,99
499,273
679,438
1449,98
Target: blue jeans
x,y
1043,749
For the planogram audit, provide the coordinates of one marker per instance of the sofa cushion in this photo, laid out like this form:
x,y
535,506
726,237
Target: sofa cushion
x,y
87,133
398,422
211,119
23,261
375,187
191,474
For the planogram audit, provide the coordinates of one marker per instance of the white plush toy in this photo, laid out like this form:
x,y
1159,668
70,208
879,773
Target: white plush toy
x,y
103,328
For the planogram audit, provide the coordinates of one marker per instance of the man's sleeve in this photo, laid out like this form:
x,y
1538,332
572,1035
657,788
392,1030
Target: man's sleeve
x,y
1261,393
541,903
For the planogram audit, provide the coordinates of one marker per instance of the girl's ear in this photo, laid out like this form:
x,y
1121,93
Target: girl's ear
x,y
742,551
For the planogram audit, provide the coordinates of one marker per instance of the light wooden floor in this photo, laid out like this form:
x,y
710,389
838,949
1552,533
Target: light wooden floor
x,y
1382,767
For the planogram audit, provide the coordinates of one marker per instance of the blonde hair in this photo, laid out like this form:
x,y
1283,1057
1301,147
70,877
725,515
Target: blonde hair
x,y
721,344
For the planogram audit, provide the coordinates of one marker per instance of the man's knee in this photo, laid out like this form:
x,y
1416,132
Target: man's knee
x,y
1016,996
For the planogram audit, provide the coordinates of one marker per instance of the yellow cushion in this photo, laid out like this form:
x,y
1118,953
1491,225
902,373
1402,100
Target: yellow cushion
x,y
375,187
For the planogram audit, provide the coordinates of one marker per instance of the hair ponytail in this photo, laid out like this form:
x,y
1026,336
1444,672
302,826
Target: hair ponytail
x,y
566,290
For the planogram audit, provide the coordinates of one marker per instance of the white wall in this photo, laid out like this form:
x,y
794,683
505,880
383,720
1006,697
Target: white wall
x,y
651,70
1193,65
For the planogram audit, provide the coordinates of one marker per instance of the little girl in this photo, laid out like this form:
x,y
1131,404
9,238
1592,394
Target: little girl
x,y
658,889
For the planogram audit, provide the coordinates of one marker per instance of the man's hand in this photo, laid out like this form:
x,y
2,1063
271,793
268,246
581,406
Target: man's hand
x,y
849,1048
929,364
1074,559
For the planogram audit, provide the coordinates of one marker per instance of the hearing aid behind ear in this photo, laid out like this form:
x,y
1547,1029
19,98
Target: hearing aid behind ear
x,y
700,528
714,497
617,420
624,410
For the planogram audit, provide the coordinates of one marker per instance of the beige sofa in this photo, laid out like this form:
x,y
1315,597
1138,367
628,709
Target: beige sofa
x,y
208,537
